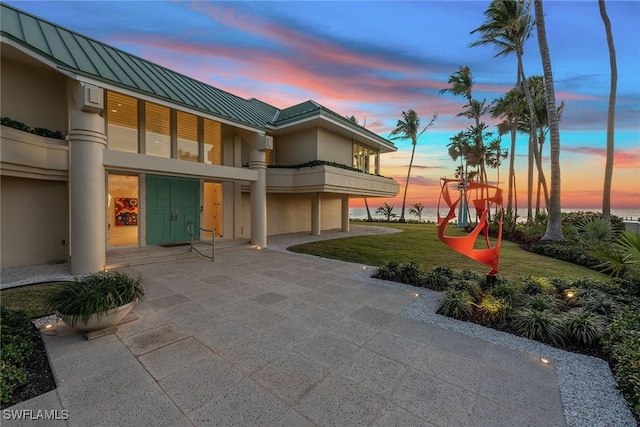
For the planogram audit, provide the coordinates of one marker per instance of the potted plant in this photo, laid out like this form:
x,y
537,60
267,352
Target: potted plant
x,y
97,301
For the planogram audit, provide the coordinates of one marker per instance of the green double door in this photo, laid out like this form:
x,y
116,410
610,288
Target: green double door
x,y
171,204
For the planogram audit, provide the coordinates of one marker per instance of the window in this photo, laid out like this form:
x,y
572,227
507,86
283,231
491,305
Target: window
x,y
187,137
212,142
122,122
365,159
158,126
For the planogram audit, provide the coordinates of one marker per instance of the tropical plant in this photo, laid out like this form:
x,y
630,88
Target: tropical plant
x,y
493,310
416,210
611,113
554,225
457,303
409,128
505,291
623,254
592,231
96,294
538,285
410,273
16,350
542,326
435,281
388,271
540,302
387,211
584,326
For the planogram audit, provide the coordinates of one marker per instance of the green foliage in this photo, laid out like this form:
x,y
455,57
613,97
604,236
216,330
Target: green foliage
x,y
542,326
388,271
505,291
96,293
623,254
471,287
584,326
592,231
622,341
6,121
538,285
387,211
493,310
598,302
540,302
457,303
435,280
410,273
16,349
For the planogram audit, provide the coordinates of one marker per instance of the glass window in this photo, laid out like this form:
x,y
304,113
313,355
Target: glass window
x,y
187,137
212,142
122,210
158,125
122,122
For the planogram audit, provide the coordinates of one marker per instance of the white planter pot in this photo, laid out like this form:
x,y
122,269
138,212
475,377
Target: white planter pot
x,y
98,320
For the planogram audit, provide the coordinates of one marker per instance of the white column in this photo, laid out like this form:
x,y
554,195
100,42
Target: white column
x,y
345,213
87,182
257,162
316,213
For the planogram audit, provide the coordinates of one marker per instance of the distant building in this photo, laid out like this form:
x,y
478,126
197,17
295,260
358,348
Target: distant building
x,y
142,150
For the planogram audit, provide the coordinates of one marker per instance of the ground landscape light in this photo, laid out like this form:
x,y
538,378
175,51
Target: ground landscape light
x,y
543,360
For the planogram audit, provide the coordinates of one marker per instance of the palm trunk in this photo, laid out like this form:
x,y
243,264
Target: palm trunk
x,y
554,223
530,161
532,136
611,115
542,181
366,204
406,186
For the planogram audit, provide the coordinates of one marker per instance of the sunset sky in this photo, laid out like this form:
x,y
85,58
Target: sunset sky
x,y
375,59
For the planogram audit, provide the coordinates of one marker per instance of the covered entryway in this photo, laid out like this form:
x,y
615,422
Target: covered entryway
x,y
170,204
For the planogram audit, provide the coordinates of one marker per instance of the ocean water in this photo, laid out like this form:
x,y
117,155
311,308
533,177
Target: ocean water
x,y
431,214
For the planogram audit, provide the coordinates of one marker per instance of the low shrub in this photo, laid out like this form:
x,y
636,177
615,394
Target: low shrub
x,y
471,287
583,326
493,310
505,291
410,273
457,303
544,326
435,281
388,271
540,302
16,349
622,342
538,285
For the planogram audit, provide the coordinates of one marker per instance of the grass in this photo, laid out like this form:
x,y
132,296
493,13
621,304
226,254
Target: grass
x,y
420,242
31,299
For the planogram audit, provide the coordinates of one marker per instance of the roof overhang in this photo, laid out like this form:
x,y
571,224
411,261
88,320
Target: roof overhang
x,y
328,121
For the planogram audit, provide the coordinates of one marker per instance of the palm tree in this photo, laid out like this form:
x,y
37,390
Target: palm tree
x,y
611,114
417,210
554,223
386,211
409,128
508,24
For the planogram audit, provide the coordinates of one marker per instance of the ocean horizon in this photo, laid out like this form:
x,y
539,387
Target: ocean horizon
x,y
431,214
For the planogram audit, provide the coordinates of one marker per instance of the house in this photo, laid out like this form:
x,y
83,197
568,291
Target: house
x,y
125,153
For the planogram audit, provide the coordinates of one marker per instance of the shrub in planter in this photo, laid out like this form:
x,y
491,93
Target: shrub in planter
x,y
435,281
542,326
493,310
540,302
15,352
96,294
505,291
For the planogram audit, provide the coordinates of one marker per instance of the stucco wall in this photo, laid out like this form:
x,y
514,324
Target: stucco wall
x,y
33,95
291,213
334,148
296,148
34,221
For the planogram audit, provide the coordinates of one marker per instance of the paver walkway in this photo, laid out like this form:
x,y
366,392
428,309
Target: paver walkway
x,y
280,339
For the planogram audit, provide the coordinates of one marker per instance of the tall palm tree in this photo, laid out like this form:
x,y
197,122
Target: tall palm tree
x,y
409,128
611,114
509,108
554,223
387,211
508,24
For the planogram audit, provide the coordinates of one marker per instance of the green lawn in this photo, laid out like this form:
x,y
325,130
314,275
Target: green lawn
x,y
32,299
420,242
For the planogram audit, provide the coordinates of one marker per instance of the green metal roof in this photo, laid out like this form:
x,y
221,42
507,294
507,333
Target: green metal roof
x,y
86,57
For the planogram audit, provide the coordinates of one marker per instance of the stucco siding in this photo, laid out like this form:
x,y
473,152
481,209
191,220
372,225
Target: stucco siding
x,y
334,148
296,148
34,221
33,95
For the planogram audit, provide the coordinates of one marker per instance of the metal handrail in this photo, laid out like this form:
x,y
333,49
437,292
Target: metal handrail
x,y
192,237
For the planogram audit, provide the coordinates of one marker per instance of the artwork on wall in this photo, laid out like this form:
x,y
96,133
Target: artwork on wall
x,y
126,211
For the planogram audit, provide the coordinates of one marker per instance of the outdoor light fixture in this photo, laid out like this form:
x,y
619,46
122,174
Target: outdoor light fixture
x,y
569,293
543,360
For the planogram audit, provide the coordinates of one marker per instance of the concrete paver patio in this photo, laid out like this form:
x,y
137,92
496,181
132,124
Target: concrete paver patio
x,y
279,339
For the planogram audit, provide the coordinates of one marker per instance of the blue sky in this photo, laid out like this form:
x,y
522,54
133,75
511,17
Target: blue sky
x,y
375,59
